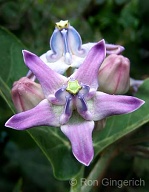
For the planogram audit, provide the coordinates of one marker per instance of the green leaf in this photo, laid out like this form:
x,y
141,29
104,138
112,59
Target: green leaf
x,y
51,141
121,125
12,66
58,151
5,93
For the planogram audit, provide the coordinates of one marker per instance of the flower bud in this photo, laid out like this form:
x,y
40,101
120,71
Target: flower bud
x,y
26,94
114,75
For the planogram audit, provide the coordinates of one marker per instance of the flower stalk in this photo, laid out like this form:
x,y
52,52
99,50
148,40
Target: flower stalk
x,y
98,171
75,182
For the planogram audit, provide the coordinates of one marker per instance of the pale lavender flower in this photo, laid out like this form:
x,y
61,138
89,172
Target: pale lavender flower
x,y
73,103
67,49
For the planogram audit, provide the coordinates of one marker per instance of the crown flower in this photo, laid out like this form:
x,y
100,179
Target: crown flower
x,y
67,49
73,103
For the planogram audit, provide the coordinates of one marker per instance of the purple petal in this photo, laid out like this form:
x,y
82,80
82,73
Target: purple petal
x,y
84,91
57,46
114,49
79,132
106,105
49,79
75,42
67,111
82,108
135,84
67,54
88,71
61,95
31,76
40,115
59,66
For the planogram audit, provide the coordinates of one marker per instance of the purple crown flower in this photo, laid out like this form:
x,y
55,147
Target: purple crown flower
x,y
73,103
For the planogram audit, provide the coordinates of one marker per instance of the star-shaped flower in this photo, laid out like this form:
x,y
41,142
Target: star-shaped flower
x,y
73,103
67,49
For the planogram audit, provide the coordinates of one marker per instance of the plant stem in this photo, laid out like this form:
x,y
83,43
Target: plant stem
x,y
75,182
96,175
69,72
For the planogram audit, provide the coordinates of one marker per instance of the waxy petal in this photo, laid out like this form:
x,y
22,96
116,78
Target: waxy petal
x,y
57,46
40,115
135,84
106,105
88,71
30,75
114,49
110,48
75,42
61,95
59,66
82,108
49,79
67,111
79,132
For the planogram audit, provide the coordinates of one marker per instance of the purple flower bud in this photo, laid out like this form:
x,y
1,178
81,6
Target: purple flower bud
x,y
114,75
26,94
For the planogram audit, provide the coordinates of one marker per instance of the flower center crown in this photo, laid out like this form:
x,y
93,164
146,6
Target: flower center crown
x,y
73,87
62,24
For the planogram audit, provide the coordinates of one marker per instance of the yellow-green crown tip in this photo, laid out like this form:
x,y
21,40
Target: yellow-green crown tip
x,y
73,87
62,24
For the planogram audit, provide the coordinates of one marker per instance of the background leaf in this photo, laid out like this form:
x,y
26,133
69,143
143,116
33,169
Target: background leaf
x,y
11,63
57,150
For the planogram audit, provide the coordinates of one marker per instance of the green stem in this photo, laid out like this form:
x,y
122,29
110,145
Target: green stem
x,y
75,182
96,175
69,72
